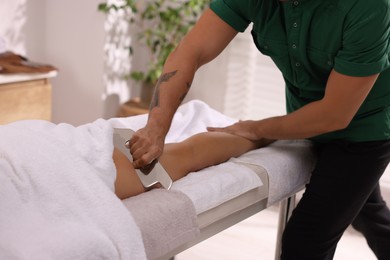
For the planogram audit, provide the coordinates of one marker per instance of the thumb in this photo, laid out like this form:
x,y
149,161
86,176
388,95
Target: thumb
x,y
135,165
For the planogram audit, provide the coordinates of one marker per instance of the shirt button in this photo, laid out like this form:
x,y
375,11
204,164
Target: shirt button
x,y
330,62
295,25
266,47
296,3
294,46
297,64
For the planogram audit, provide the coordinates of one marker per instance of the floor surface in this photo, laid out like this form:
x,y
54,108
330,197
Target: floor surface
x,y
254,238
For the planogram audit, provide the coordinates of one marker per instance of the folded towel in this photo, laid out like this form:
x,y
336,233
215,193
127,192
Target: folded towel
x,y
289,164
167,218
11,63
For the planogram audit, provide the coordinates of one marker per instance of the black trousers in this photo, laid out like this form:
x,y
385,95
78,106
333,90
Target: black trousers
x,y
343,190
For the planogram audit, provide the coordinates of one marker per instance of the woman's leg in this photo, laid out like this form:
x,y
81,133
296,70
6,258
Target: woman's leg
x,y
178,159
127,183
204,150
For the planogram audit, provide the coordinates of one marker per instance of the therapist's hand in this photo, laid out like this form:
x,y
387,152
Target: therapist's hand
x,y
146,145
246,129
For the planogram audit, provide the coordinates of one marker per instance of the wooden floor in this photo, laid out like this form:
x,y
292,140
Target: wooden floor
x,y
254,238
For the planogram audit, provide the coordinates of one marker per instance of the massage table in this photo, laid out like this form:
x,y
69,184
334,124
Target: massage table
x,y
222,195
57,200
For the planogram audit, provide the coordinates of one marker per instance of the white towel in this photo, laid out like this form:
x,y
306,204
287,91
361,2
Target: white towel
x,y
56,198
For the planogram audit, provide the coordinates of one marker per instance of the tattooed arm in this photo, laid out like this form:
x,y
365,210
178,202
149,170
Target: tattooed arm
x,y
165,78
203,43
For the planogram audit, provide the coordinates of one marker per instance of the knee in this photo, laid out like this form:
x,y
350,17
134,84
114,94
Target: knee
x,y
358,224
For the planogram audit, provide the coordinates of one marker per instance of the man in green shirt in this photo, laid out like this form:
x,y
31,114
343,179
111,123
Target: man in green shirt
x,y
334,57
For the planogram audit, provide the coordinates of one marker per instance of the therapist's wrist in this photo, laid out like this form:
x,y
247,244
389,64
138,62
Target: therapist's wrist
x,y
157,128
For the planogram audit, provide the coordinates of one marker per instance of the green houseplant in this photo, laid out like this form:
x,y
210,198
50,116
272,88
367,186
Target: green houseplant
x,y
160,25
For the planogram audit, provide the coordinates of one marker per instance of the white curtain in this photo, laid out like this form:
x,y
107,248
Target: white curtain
x,y
254,86
13,19
116,52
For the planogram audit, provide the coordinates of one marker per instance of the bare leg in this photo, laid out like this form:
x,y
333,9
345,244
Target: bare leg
x,y
127,183
204,150
179,159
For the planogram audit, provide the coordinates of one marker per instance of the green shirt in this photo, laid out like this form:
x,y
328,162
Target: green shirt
x,y
308,38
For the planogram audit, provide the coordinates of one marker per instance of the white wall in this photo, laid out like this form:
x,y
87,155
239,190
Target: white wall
x,y
209,83
69,35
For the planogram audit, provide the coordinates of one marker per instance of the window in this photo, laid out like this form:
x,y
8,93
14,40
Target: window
x,y
254,86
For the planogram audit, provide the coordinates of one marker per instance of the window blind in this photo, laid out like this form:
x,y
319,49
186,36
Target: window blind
x,y
254,86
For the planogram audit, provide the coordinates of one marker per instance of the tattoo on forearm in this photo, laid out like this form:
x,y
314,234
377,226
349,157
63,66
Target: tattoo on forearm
x,y
165,78
156,96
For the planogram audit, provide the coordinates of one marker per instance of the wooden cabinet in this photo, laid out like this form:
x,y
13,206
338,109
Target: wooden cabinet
x,y
25,97
132,107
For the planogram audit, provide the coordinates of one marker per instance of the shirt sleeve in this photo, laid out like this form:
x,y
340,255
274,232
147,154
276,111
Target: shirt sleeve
x,y
236,13
365,46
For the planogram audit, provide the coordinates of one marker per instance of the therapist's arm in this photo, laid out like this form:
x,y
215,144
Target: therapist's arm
x,y
203,43
343,97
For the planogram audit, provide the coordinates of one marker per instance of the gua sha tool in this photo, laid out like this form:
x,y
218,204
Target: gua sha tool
x,y
149,175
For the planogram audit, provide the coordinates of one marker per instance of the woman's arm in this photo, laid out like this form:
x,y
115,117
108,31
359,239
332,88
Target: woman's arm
x,y
203,43
179,159
343,97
